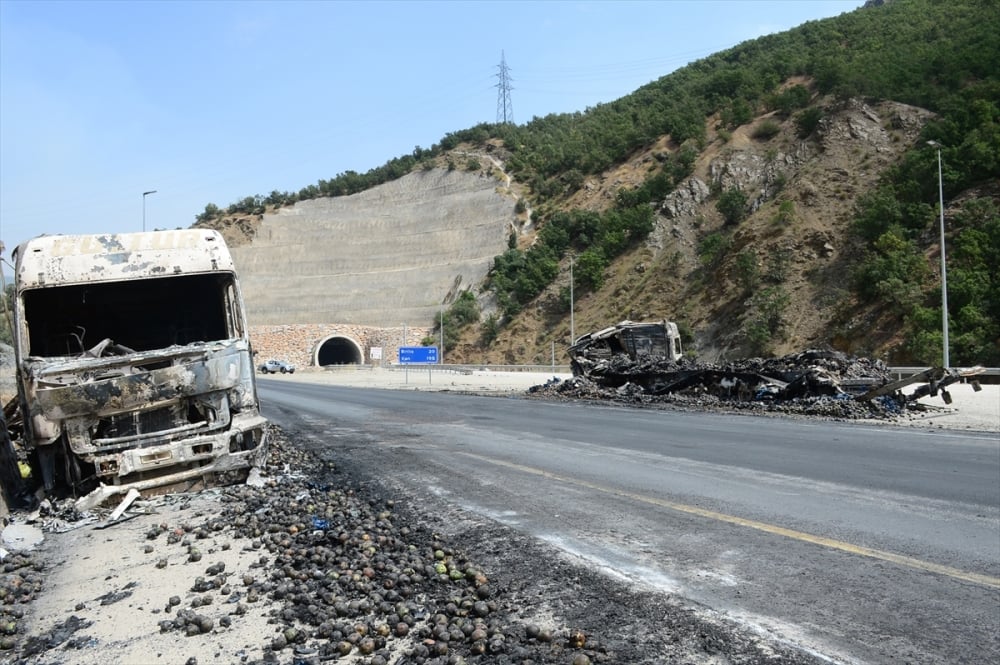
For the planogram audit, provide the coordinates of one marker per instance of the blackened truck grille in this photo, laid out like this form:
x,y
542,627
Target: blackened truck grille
x,y
145,423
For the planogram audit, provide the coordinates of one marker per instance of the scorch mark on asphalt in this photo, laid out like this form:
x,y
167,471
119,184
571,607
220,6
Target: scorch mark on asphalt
x,y
822,541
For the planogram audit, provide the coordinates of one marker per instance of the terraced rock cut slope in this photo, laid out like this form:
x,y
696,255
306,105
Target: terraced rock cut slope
x,y
388,255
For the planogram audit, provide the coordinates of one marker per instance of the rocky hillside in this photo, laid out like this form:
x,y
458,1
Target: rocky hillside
x,y
775,283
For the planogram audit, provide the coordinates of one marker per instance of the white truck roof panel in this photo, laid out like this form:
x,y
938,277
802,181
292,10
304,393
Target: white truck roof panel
x,y
58,259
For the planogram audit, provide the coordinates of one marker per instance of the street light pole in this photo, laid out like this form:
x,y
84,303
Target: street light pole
x,y
144,195
572,306
441,356
944,270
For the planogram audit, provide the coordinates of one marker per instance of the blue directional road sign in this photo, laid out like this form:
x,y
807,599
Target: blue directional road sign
x,y
418,355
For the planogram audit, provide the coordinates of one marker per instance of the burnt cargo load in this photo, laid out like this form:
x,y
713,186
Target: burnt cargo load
x,y
134,366
647,357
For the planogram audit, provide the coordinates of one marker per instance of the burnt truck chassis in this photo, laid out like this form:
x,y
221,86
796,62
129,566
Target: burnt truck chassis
x,y
804,375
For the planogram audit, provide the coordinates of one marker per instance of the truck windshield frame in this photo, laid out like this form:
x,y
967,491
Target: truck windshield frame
x,y
140,315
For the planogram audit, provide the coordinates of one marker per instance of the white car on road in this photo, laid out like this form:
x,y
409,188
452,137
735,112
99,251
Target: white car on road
x,y
272,366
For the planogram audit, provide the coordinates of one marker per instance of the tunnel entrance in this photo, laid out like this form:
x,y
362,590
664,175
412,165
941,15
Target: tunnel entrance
x,y
338,350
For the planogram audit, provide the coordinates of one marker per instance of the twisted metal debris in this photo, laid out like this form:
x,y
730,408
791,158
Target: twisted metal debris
x,y
813,382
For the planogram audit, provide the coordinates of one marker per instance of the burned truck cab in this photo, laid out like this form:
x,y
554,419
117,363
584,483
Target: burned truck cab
x,y
134,366
636,340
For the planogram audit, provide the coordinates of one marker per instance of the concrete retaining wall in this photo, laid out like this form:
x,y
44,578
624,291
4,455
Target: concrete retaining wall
x,y
386,257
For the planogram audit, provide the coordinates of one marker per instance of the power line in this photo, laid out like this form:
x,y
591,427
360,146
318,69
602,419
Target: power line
x,y
505,110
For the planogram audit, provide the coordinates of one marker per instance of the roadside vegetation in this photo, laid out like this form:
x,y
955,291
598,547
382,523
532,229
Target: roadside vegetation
x,y
7,315
935,55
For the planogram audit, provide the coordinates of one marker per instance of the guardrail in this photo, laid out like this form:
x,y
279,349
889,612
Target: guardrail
x,y
989,374
465,369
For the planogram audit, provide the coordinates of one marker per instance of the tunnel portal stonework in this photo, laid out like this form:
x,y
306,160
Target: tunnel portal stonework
x,y
311,345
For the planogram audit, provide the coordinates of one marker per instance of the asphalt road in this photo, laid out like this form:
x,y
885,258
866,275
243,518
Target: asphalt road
x,y
854,542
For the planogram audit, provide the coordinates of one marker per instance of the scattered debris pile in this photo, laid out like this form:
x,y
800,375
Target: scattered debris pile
x,y
821,383
22,579
339,570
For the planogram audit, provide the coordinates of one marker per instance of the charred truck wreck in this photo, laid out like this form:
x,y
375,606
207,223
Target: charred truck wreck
x,y
134,366
647,357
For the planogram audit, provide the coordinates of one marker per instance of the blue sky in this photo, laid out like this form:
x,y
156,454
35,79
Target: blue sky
x,y
210,102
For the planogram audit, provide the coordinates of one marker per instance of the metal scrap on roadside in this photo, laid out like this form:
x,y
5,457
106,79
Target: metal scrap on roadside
x,y
814,382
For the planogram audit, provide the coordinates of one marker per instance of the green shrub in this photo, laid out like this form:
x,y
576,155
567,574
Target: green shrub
x,y
682,164
902,295
732,204
6,315
778,261
712,248
765,318
767,129
806,121
790,99
747,270
779,182
464,310
589,269
462,313
489,330
892,260
573,180
211,212
785,214
739,112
